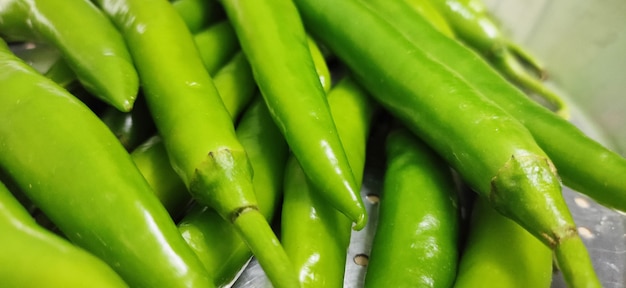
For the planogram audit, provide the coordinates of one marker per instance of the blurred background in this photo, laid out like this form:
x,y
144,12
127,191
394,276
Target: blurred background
x,y
583,45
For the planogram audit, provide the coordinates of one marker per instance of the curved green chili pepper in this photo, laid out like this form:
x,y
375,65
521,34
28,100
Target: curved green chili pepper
x,y
216,45
473,25
236,86
274,41
417,235
513,172
578,163
219,247
102,64
316,235
500,253
198,14
34,257
70,165
30,251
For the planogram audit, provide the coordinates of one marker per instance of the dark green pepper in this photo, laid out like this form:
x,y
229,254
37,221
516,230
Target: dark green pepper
x,y
417,235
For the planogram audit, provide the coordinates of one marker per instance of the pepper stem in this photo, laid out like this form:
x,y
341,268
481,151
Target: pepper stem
x,y
516,72
575,264
266,248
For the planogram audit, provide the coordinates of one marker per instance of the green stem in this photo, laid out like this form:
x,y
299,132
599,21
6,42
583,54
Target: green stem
x,y
574,263
266,248
507,62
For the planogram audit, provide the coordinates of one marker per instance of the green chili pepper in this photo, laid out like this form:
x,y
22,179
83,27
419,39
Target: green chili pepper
x,y
473,25
500,253
577,162
219,247
35,257
258,134
216,44
434,17
102,64
513,172
417,235
72,167
274,41
197,131
236,87
198,14
316,235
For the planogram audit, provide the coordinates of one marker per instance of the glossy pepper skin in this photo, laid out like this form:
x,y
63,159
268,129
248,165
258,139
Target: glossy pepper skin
x,y
274,41
216,44
102,64
236,87
472,24
35,257
417,235
197,131
222,251
75,170
577,162
500,253
315,234
457,121
218,246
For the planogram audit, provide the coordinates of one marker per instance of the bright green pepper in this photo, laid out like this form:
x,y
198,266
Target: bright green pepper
x,y
102,64
456,120
219,247
74,169
315,234
473,25
500,253
417,235
583,164
34,257
197,131
272,37
236,87
216,44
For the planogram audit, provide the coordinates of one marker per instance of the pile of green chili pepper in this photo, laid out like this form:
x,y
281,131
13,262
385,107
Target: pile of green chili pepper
x,y
170,142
